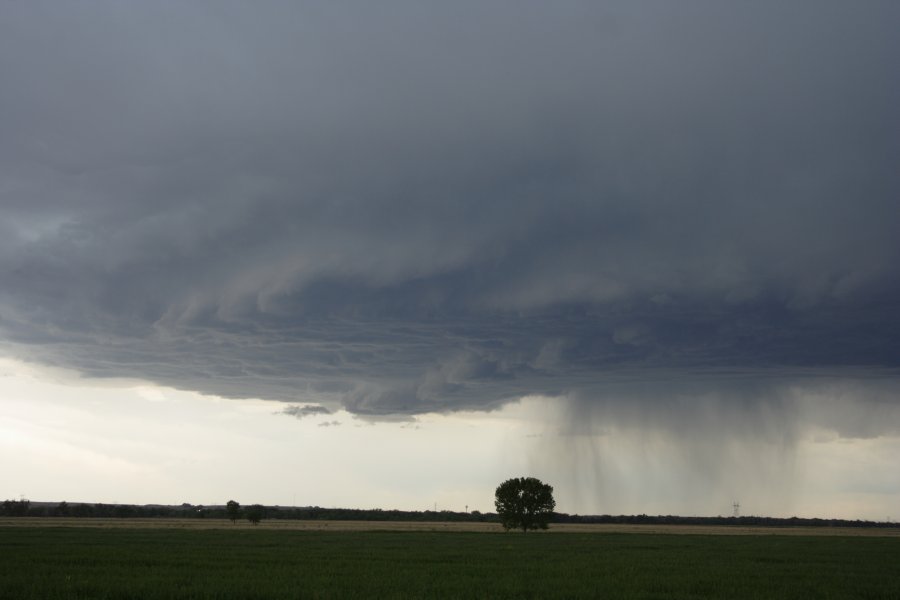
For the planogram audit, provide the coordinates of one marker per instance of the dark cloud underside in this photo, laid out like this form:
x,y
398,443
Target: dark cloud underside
x,y
406,208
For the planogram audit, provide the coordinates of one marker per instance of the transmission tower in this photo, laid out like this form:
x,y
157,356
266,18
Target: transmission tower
x,y
737,509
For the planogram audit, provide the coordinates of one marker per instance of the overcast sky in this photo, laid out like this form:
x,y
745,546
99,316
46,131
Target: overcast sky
x,y
652,247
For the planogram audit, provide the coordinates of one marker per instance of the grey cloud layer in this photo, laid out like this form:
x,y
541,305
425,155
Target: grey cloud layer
x,y
406,209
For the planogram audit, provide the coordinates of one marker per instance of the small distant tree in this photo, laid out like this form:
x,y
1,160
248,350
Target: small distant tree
x,y
524,503
233,510
255,513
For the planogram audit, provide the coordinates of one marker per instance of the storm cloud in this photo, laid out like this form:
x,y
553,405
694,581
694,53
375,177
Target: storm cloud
x,y
305,411
398,209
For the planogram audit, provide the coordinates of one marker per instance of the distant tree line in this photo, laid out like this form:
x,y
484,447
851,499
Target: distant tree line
x,y
16,508
26,508
735,521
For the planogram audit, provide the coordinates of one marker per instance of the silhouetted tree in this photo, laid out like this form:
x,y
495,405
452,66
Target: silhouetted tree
x,y
233,510
524,503
255,513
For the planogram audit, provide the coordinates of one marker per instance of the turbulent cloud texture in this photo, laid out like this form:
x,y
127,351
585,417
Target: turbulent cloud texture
x,y
305,411
402,208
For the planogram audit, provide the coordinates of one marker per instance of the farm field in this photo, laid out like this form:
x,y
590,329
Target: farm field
x,y
454,526
244,562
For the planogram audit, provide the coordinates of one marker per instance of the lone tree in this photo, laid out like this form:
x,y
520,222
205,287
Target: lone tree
x,y
255,513
524,503
233,510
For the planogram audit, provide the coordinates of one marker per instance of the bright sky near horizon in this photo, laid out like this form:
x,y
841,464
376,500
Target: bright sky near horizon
x,y
389,255
62,438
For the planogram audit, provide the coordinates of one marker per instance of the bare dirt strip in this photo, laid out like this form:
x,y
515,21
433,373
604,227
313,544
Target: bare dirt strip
x,y
440,526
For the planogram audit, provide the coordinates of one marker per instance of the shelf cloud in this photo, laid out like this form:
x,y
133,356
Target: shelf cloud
x,y
409,209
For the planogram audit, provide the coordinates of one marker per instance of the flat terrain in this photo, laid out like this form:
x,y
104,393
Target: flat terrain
x,y
294,525
270,561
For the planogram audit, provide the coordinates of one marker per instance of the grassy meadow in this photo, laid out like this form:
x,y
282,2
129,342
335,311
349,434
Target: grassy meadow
x,y
71,562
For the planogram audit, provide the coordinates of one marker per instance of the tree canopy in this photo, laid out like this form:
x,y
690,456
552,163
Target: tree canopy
x,y
233,510
255,513
524,503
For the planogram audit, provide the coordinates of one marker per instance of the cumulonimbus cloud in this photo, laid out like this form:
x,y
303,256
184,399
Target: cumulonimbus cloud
x,y
406,211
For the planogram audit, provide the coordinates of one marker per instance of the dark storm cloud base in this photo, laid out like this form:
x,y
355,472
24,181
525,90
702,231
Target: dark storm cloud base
x,y
411,210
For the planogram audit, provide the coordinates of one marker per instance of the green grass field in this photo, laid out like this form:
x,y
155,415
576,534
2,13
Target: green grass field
x,y
47,562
